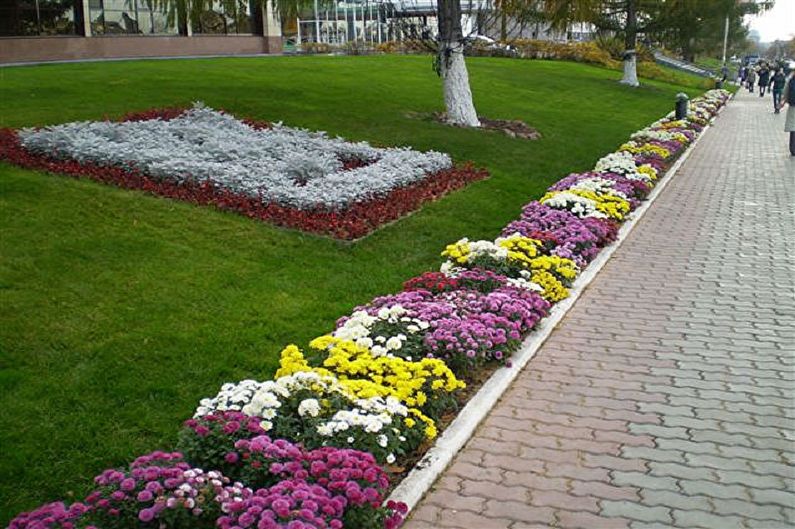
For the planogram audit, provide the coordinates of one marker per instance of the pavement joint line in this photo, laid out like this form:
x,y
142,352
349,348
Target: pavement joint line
x,y
422,477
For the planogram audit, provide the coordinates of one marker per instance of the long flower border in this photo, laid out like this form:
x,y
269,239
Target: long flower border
x,y
533,260
353,222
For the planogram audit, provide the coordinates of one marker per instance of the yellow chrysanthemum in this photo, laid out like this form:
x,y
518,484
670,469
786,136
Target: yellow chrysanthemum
x,y
520,249
458,252
612,206
365,376
554,290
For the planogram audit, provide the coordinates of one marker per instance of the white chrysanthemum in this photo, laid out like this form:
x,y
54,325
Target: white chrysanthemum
x,y
580,206
309,407
600,186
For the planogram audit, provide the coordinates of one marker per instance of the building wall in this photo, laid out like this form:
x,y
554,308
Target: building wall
x,y
33,49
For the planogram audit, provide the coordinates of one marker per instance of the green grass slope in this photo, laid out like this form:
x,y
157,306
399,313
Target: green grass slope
x,y
118,310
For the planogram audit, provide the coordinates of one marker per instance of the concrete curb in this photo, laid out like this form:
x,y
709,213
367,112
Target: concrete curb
x,y
424,474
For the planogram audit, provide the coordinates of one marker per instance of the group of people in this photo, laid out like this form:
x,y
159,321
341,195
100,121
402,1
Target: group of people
x,y
767,78
781,84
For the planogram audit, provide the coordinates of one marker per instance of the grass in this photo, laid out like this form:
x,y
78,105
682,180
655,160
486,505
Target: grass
x,y
118,310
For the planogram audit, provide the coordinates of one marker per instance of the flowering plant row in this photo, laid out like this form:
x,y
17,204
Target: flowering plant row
x,y
287,176
306,449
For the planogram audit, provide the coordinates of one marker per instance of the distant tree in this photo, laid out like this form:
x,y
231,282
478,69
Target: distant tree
x,y
627,18
696,27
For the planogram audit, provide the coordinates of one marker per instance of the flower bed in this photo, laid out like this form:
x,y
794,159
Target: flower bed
x,y
287,176
314,447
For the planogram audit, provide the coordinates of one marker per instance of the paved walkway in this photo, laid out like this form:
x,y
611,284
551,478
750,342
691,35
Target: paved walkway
x,y
665,397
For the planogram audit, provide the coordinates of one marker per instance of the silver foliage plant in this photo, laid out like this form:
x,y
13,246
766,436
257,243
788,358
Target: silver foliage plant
x,y
292,167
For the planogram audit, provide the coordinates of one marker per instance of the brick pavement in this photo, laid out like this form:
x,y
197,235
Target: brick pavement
x,y
665,397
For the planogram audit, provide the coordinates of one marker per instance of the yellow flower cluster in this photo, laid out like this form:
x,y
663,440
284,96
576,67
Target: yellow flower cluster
x,y
612,206
565,268
366,376
521,250
554,290
674,124
458,252
648,170
681,138
646,148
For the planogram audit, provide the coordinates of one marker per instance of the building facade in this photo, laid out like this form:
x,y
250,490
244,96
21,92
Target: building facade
x,y
47,30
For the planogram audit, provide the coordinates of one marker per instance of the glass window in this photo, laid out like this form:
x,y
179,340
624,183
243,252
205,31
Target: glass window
x,y
132,17
37,17
212,17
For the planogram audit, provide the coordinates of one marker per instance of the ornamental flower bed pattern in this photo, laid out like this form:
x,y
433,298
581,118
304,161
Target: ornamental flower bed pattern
x,y
314,447
287,176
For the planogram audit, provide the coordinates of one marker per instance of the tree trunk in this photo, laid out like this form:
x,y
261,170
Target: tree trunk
x,y
452,67
630,42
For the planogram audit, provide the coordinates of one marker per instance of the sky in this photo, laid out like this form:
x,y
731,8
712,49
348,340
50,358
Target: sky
x,y
777,23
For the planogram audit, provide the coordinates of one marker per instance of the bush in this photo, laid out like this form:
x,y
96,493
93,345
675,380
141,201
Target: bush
x,y
316,47
587,52
406,46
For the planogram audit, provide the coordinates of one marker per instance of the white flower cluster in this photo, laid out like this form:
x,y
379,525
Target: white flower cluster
x,y
289,166
309,407
650,134
264,399
525,282
600,186
580,206
622,163
372,416
358,329
481,248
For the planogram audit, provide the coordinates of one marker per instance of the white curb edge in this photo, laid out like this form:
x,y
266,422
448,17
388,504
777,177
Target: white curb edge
x,y
435,461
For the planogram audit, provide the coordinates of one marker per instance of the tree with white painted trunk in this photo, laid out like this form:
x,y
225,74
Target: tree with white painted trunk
x,y
621,17
452,68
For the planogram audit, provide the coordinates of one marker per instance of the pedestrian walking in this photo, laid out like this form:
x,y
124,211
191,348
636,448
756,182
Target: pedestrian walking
x,y
777,83
764,79
789,122
751,80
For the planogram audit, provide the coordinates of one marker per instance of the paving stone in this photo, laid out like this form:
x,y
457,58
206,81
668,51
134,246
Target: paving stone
x,y
757,481
747,509
641,452
780,497
701,519
636,511
675,500
586,520
521,512
681,471
715,490
645,481
715,461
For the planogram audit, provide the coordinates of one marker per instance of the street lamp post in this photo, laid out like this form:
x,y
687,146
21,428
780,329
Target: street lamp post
x,y
317,24
725,39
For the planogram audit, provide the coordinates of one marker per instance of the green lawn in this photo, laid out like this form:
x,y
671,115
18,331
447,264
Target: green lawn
x,y
119,310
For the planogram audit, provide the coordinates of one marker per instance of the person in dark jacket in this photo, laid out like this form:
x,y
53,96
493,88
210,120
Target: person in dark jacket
x,y
764,79
777,83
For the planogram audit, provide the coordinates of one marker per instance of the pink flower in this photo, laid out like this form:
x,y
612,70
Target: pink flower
x,y
146,515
